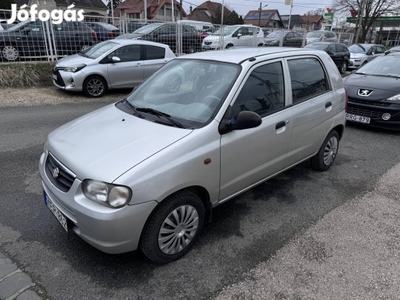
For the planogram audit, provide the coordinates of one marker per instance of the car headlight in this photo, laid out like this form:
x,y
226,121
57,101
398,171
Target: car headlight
x,y
105,193
394,98
74,69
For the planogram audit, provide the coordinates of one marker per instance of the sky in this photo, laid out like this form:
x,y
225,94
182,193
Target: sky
x,y
243,6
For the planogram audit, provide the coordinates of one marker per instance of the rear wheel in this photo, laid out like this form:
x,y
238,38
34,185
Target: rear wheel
x,y
228,46
94,86
172,229
10,53
326,155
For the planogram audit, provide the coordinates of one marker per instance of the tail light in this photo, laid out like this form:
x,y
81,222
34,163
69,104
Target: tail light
x,y
94,35
111,34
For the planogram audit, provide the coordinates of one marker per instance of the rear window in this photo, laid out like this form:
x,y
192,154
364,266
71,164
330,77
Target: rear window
x,y
154,52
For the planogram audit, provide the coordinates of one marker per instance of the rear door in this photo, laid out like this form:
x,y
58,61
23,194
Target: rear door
x,y
153,59
128,72
250,155
312,106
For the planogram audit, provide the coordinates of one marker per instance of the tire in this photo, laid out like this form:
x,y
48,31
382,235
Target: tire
x,y
94,86
326,155
10,53
173,228
228,46
190,49
343,67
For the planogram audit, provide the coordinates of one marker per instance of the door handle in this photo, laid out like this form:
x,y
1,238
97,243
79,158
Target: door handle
x,y
328,104
280,124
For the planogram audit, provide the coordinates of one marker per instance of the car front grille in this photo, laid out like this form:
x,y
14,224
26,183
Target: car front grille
x,y
363,102
363,112
59,79
58,174
207,43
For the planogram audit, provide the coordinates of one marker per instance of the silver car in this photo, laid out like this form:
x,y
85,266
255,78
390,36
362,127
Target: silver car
x,y
146,172
361,54
109,65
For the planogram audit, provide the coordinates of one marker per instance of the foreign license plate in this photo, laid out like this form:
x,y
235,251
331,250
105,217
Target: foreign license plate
x,y
54,76
56,212
359,119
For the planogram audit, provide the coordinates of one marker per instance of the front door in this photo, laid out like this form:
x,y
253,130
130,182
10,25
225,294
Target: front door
x,y
250,155
128,72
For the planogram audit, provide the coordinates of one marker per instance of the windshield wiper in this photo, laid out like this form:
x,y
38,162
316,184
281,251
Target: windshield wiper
x,y
160,114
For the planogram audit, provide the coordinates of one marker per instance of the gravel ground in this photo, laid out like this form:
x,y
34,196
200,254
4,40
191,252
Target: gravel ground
x,y
51,95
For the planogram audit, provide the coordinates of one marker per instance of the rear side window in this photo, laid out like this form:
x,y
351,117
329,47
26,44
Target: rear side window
x,y
308,78
154,52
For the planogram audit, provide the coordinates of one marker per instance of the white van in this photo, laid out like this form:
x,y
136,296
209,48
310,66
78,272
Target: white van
x,y
234,35
198,25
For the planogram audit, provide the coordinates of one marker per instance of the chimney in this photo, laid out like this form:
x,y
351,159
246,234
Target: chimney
x,y
190,10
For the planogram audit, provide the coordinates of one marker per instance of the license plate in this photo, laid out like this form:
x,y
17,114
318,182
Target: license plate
x,y
54,76
56,212
359,119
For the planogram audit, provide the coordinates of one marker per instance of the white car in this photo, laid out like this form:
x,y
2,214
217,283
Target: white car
x,y
111,64
146,172
321,36
233,36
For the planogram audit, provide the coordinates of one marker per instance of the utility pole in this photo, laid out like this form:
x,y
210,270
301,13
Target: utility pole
x,y
259,15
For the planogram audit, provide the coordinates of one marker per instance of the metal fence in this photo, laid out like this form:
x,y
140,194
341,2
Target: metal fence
x,y
37,40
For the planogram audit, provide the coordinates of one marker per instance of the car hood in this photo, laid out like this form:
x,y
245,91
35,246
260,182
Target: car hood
x,y
212,38
382,87
106,143
312,40
357,55
73,60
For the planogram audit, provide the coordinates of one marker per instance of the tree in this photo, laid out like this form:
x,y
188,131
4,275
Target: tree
x,y
115,4
233,18
366,11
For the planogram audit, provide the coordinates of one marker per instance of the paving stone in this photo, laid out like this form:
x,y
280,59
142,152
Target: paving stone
x,y
2,256
6,267
13,284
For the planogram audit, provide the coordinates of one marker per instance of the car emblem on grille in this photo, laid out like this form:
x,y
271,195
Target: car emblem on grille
x,y
55,172
364,93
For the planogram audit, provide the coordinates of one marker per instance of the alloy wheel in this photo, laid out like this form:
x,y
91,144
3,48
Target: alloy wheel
x,y
330,151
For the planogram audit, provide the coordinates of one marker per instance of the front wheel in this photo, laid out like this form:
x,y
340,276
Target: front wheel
x,y
172,229
326,155
343,67
94,86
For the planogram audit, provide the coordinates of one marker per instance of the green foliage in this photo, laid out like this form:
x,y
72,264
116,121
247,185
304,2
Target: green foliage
x,y
26,74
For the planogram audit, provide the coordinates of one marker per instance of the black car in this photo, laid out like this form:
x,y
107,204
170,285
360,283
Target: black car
x,y
374,93
104,31
285,38
37,38
169,33
130,27
339,53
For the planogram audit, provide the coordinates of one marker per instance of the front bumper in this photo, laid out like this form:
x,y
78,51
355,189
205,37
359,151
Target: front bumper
x,y
67,80
375,112
107,229
354,63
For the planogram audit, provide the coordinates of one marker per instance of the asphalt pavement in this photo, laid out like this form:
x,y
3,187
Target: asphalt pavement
x,y
351,253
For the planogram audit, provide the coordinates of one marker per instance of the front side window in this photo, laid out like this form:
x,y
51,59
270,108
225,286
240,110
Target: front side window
x,y
263,92
308,78
128,53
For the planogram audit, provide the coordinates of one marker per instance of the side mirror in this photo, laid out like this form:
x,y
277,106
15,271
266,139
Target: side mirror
x,y
239,35
115,59
246,120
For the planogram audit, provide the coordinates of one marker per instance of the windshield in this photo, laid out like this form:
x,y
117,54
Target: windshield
x,y
190,91
274,34
227,30
148,28
382,66
358,49
314,34
98,49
